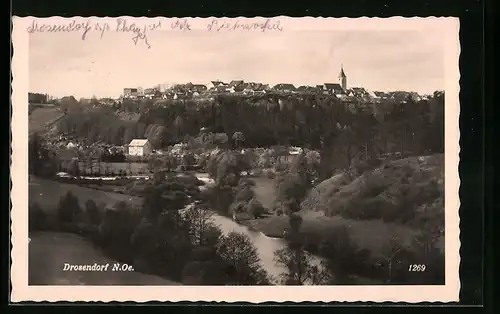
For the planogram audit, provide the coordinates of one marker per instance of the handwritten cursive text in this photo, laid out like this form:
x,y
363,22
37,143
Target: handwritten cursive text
x,y
182,25
70,27
85,27
140,32
267,25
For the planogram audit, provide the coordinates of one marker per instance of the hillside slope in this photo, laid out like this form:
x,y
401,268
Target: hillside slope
x,y
41,118
408,191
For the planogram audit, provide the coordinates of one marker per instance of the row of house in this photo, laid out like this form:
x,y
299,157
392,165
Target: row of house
x,y
190,90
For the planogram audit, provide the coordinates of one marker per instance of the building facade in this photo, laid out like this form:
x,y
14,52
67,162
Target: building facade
x,y
140,147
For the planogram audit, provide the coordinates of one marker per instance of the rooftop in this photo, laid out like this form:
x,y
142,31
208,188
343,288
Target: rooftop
x,y
138,142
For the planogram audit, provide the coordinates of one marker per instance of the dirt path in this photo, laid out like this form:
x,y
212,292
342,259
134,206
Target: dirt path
x,y
49,251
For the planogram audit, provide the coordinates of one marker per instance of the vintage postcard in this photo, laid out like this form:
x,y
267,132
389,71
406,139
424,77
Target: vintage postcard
x,y
235,159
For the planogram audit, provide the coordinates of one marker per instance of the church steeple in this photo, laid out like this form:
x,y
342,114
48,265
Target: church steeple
x,y
343,78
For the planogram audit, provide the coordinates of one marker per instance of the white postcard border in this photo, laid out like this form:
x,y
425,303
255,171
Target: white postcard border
x,y
19,176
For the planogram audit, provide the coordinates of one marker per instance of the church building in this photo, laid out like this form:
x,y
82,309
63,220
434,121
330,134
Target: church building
x,y
343,78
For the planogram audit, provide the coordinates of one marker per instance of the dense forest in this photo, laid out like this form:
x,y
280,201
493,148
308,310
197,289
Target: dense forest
x,y
303,122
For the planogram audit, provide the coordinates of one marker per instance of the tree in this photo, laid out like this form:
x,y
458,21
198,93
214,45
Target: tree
x,y
389,253
154,164
201,226
249,160
88,164
220,139
225,168
346,152
295,222
188,159
291,190
145,241
300,267
73,167
42,161
164,197
93,212
298,262
116,229
344,257
238,138
244,194
237,250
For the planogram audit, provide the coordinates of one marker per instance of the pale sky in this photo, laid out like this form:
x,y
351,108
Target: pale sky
x,y
63,64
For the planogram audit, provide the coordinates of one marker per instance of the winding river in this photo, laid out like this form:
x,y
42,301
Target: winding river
x,y
266,246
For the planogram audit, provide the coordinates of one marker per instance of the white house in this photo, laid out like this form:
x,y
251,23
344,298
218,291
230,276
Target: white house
x,y
139,147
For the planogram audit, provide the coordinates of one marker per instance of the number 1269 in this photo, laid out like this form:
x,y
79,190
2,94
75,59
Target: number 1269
x,y
416,267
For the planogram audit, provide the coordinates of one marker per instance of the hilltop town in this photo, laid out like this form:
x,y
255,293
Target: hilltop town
x,y
241,88
162,94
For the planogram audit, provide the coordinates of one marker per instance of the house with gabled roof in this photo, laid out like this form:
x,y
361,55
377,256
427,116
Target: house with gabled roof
x,y
152,93
283,87
255,88
307,89
236,86
199,88
139,147
214,85
333,88
359,92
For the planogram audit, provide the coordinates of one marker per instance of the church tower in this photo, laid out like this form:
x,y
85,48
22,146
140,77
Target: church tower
x,y
343,78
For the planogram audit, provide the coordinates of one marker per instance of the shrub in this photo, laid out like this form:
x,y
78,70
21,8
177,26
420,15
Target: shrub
x,y
116,229
238,207
373,185
244,194
255,208
68,209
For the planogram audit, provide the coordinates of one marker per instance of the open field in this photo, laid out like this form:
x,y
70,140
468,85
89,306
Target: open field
x,y
41,118
49,251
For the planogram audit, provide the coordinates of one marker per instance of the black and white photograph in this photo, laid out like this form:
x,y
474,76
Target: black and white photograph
x,y
237,152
